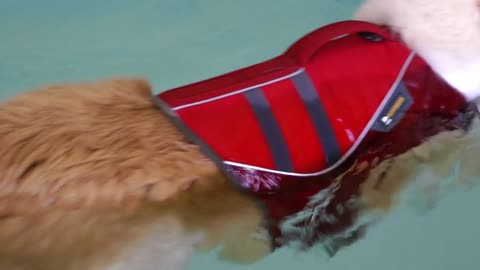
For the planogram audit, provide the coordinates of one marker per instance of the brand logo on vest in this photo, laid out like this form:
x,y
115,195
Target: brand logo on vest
x,y
387,119
398,103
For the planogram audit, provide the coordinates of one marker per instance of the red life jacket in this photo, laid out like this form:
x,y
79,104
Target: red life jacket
x,y
285,128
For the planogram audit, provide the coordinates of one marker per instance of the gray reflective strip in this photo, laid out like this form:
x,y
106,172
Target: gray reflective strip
x,y
270,128
319,117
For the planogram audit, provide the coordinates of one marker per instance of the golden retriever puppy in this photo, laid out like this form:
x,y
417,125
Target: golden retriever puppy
x,y
93,176
96,176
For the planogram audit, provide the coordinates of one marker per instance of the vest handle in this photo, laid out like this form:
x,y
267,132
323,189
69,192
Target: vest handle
x,y
302,50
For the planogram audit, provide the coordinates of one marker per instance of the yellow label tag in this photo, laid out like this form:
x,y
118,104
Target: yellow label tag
x,y
392,113
387,119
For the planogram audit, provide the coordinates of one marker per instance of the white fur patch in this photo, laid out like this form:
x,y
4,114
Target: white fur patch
x,y
446,33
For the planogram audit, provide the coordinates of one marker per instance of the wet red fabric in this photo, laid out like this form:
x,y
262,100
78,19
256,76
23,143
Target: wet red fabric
x,y
353,75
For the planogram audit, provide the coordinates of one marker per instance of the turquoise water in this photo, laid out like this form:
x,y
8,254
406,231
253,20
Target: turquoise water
x,y
174,42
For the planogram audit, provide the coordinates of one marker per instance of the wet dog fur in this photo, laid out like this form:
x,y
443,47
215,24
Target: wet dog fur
x,y
90,171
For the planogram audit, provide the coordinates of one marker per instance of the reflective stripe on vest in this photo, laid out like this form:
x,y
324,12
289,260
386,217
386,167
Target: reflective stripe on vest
x,y
271,130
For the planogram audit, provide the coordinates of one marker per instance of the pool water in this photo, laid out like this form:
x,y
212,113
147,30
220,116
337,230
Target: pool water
x,y
174,42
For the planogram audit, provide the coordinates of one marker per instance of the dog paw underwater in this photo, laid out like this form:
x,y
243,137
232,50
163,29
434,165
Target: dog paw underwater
x,y
285,153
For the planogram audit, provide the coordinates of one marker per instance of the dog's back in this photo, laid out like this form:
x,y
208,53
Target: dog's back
x,y
93,176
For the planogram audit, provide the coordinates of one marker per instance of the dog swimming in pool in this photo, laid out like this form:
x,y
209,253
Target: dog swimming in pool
x,y
305,150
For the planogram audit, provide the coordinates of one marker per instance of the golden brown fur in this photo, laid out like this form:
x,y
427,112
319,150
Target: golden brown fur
x,y
88,169
89,172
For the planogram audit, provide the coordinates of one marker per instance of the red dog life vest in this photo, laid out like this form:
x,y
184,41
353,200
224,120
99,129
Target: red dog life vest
x,y
302,117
